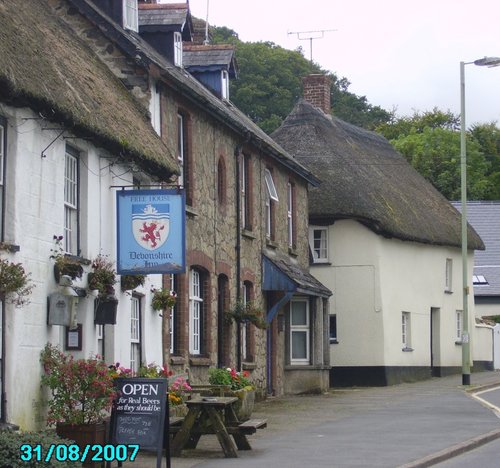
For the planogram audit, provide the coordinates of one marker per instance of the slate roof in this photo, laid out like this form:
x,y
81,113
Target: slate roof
x,y
364,178
191,89
46,67
485,217
164,14
209,57
302,280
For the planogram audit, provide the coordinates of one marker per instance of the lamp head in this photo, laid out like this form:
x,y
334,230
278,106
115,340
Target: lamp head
x,y
488,62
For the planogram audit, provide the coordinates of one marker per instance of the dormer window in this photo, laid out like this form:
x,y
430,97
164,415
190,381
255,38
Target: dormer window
x,y
130,15
178,49
225,84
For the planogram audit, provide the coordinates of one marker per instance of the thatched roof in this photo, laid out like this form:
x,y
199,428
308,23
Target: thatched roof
x,y
46,67
364,178
191,89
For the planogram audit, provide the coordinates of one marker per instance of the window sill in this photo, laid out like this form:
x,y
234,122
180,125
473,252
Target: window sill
x,y
320,264
249,365
8,247
200,361
293,252
459,343
448,291
177,360
248,234
407,350
334,341
191,211
271,244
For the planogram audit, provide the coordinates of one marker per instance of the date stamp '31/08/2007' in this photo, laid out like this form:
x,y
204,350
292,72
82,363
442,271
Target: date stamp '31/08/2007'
x,y
87,453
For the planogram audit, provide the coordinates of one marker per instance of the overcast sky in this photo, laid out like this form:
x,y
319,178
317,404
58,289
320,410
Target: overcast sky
x,y
398,53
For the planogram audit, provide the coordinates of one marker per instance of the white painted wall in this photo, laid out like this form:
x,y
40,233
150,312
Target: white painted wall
x,y
34,214
374,280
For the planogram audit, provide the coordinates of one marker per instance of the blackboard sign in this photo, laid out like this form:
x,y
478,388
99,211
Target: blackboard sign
x,y
138,415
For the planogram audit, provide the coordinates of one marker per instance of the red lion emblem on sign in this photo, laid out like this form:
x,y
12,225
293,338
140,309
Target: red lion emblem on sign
x,y
152,233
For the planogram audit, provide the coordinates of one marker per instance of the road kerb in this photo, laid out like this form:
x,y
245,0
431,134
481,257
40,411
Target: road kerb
x,y
454,450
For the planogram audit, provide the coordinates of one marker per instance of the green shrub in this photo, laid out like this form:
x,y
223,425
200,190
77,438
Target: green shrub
x,y
11,442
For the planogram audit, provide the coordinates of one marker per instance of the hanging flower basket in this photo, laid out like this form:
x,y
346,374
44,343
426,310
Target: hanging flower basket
x,y
129,282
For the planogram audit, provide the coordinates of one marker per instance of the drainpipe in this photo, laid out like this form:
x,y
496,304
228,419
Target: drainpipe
x,y
237,152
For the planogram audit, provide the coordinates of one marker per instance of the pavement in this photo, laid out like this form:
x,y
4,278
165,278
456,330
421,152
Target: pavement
x,y
408,425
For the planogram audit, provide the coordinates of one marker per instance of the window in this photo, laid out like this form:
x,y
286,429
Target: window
x,y
318,240
449,269
246,328
130,15
291,215
195,312
178,49
155,107
221,181
180,147
3,146
100,340
173,318
246,194
71,194
185,177
135,334
299,331
333,328
405,330
479,280
225,84
271,198
458,325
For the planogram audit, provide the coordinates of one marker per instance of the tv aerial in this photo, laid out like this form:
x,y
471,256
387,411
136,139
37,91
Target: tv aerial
x,y
310,36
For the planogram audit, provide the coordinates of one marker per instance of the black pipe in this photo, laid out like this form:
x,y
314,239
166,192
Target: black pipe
x,y
237,152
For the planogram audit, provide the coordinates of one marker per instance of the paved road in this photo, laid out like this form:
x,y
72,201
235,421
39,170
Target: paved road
x,y
360,427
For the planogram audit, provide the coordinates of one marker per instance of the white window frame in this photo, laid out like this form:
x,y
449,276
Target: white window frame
x,y
320,252
2,151
459,325
289,213
172,318
195,312
224,76
71,193
303,329
177,49
271,188
244,187
406,330
155,107
135,333
448,275
180,148
130,10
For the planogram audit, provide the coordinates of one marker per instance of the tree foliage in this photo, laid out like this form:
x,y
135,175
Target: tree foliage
x,y
430,141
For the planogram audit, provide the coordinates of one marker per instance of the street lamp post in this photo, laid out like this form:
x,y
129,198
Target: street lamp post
x,y
489,62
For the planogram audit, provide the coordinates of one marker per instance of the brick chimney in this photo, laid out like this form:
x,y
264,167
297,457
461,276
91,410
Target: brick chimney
x,y
317,91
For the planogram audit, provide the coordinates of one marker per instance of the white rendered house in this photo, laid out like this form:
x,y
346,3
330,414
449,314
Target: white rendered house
x,y
387,244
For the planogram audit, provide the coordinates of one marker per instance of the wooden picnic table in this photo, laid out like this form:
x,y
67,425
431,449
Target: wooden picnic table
x,y
214,415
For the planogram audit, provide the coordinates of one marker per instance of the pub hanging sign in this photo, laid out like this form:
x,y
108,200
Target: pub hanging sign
x,y
151,232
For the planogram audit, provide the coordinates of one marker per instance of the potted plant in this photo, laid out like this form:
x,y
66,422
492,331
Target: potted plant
x,y
103,279
163,299
129,282
240,386
82,393
64,265
15,284
246,313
